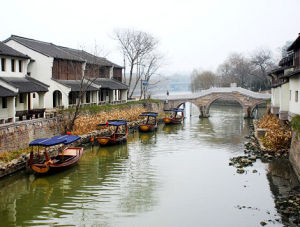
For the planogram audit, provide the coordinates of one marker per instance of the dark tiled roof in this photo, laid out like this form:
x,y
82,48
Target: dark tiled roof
x,y
75,85
48,49
8,51
279,69
110,84
287,61
295,44
60,52
89,58
291,73
26,84
4,92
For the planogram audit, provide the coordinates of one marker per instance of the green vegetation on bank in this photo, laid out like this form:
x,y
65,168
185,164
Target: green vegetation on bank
x,y
295,122
93,109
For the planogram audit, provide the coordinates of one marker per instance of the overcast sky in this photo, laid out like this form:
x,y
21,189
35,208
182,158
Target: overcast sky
x,y
192,34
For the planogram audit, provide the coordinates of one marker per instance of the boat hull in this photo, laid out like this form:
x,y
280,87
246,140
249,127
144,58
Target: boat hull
x,y
108,141
168,120
65,160
147,128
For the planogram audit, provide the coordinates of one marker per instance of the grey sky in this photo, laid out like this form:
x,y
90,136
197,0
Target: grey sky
x,y
192,34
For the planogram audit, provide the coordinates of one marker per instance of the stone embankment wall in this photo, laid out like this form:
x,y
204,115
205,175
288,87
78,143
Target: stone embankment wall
x,y
295,153
19,135
22,162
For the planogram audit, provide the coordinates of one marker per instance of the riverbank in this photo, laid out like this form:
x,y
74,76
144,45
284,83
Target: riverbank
x,y
85,126
287,202
21,162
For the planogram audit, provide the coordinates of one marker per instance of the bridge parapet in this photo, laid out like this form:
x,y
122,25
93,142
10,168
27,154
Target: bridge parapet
x,y
204,99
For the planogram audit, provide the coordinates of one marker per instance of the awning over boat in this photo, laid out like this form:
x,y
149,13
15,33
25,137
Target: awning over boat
x,y
62,139
113,123
150,114
120,120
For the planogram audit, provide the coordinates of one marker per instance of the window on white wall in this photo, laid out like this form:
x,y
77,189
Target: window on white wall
x,y
21,98
296,96
20,66
12,65
4,102
3,64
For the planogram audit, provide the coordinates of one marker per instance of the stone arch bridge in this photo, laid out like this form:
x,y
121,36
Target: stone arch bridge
x,y
249,100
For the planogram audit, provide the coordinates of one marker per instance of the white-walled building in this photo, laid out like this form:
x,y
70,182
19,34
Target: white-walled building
x,y
286,84
62,69
20,96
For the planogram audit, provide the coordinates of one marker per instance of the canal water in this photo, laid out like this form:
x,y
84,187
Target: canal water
x,y
178,176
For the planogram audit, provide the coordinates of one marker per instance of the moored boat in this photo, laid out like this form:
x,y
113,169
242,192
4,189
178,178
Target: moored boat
x,y
66,159
118,136
150,123
176,116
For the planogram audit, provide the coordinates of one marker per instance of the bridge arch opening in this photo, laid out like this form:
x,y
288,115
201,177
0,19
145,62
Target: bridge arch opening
x,y
258,110
230,103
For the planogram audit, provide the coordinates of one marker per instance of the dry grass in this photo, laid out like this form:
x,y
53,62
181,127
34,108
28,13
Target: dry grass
x,y
87,123
278,136
8,156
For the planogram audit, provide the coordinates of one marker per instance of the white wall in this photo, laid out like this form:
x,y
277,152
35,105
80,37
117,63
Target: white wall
x,y
8,112
41,69
16,73
294,106
21,106
124,95
284,97
275,98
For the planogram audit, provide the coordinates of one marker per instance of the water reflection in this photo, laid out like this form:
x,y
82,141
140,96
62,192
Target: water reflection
x,y
281,177
172,129
177,176
148,137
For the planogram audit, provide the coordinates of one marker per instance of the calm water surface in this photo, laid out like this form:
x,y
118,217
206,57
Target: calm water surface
x,y
178,176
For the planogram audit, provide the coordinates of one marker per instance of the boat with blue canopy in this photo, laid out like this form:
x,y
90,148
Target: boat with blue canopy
x,y
175,116
150,122
119,134
67,158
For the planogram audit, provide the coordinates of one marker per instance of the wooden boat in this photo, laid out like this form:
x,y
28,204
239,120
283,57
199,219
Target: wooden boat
x,y
118,136
176,116
66,159
150,123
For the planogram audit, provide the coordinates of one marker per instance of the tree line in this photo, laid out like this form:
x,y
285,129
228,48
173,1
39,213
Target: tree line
x,y
249,72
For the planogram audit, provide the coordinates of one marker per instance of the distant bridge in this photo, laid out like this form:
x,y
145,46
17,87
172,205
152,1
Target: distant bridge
x,y
249,100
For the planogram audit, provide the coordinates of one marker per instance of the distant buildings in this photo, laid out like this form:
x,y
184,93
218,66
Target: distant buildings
x,y
286,84
36,77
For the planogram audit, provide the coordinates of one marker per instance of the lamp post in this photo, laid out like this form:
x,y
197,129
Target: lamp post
x,y
144,84
167,96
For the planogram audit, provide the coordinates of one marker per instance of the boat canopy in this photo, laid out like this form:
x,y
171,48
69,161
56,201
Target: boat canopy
x,y
150,114
113,123
118,120
62,139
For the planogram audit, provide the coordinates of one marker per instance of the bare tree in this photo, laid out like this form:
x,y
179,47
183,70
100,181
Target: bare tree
x,y
148,69
136,47
86,79
202,80
262,62
248,72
